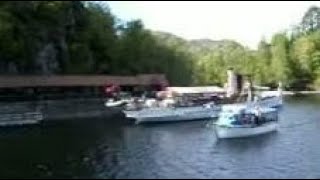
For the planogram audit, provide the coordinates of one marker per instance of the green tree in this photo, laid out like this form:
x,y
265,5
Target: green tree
x,y
280,60
263,58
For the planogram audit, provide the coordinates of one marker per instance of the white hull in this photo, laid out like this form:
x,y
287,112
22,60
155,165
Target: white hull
x,y
271,102
172,114
271,99
131,114
234,132
115,103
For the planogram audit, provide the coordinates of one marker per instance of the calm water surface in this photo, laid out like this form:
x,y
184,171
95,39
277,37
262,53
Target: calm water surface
x,y
110,149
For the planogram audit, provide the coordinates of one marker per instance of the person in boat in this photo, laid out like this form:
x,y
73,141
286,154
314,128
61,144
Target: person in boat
x,y
209,105
257,115
136,104
242,116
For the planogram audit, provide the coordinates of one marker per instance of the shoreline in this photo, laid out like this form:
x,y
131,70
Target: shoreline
x,y
300,92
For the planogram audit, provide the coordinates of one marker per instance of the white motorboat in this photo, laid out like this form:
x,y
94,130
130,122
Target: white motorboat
x,y
171,114
239,120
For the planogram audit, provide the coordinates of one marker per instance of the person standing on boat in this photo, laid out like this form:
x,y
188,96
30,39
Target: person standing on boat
x,y
257,115
249,88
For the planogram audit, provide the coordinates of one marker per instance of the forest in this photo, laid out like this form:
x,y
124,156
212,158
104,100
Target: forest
x,y
79,37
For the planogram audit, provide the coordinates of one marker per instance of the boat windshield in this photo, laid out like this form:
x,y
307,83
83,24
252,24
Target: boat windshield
x,y
236,117
227,115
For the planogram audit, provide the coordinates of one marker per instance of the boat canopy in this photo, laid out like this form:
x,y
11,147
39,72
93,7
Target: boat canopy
x,y
237,114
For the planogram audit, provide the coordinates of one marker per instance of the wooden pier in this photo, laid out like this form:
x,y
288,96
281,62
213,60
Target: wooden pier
x,y
13,119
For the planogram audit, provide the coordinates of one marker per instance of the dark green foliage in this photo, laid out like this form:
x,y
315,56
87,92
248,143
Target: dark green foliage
x,y
74,37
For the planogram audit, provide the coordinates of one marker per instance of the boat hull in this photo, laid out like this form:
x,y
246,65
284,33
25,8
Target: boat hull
x,y
273,102
235,132
175,118
131,114
172,115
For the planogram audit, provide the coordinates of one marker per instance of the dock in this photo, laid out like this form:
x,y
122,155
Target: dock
x,y
14,119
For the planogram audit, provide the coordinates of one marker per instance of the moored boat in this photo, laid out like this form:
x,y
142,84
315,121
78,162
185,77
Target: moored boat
x,y
273,99
171,114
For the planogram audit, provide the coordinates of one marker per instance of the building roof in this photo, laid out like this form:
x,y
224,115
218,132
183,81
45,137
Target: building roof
x,y
79,80
196,90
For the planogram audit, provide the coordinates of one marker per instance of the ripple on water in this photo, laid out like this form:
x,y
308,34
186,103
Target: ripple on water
x,y
175,150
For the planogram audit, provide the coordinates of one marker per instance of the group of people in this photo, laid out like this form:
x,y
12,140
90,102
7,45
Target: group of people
x,y
255,118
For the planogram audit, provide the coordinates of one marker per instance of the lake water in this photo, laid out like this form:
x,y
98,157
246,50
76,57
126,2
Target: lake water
x,y
112,149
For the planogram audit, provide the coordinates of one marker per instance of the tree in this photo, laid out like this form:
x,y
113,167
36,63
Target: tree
x,y
263,60
311,20
75,37
280,62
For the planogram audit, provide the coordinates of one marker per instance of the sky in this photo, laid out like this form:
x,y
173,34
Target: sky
x,y
246,22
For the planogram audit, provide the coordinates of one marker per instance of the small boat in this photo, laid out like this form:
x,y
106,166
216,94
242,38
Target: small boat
x,y
240,120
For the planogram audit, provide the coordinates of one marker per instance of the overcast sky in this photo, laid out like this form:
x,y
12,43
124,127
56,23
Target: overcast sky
x,y
245,22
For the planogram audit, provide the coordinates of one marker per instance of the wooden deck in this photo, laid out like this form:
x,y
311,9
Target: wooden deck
x,y
14,119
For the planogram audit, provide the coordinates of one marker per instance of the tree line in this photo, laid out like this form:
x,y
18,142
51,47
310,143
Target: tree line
x,y
76,37
291,56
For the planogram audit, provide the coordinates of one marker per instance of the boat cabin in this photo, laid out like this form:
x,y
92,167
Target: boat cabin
x,y
239,115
